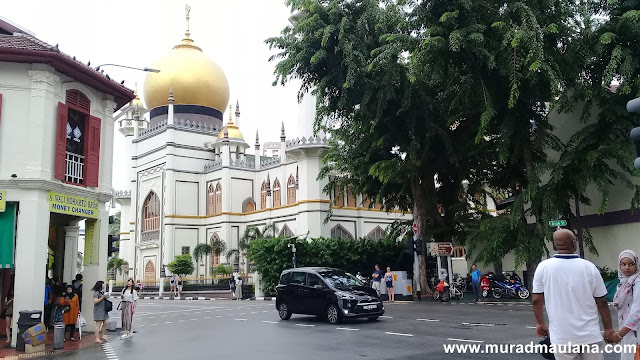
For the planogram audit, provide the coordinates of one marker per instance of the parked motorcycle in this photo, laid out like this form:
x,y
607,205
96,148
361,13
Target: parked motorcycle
x,y
509,284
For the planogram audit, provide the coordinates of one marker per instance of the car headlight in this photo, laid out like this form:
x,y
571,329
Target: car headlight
x,y
345,296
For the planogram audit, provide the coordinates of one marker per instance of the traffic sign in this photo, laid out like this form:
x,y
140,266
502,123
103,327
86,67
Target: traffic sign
x,y
558,223
440,249
415,229
125,268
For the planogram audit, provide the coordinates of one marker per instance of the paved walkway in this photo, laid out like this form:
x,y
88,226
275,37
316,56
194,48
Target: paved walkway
x,y
88,340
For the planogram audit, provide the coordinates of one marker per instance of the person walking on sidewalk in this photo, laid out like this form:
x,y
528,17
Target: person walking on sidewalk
x,y
239,288
129,300
172,282
475,282
7,314
71,309
627,302
232,287
179,286
573,293
100,314
77,288
377,279
388,281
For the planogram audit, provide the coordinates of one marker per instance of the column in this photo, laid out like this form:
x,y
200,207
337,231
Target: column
x,y
31,255
95,259
70,252
42,123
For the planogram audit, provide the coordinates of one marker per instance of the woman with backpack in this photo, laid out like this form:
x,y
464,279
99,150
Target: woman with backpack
x,y
71,309
100,310
627,302
128,306
232,287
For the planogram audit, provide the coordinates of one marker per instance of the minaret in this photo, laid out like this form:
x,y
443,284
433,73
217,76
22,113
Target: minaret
x,y
224,151
283,145
170,110
257,151
237,113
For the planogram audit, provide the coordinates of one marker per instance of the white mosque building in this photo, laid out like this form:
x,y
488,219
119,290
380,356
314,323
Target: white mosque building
x,y
195,179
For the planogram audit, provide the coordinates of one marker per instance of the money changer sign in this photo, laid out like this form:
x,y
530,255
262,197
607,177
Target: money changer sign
x,y
73,205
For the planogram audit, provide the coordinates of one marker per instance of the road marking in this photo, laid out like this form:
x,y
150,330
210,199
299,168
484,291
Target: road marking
x,y
465,340
254,312
207,317
153,324
307,325
218,316
386,317
240,319
477,324
531,327
140,325
180,320
167,322
264,311
150,317
427,320
269,322
348,329
399,334
242,314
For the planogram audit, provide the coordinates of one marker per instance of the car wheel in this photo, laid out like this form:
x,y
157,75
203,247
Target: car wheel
x,y
283,311
373,318
333,314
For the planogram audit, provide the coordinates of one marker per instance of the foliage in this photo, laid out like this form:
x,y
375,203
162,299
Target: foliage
x,y
115,264
182,265
272,255
114,229
221,270
201,250
218,247
607,273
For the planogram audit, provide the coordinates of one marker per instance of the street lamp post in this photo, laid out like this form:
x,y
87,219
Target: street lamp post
x,y
130,67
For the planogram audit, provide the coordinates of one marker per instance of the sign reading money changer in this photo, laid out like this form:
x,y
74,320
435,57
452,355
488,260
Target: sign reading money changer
x,y
73,205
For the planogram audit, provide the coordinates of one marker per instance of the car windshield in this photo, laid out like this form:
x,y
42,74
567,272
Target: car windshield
x,y
340,279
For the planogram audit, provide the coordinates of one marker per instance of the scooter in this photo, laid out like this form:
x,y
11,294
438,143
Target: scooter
x,y
485,286
509,285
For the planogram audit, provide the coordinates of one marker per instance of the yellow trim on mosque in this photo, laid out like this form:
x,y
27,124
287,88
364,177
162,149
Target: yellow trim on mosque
x,y
319,201
368,209
125,233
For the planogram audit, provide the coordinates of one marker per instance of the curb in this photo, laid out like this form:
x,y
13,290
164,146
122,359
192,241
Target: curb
x,y
264,298
191,298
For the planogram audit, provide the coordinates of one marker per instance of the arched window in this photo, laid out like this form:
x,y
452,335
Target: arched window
x,y
285,232
376,234
218,198
215,258
151,213
291,190
276,193
338,232
248,205
263,195
210,199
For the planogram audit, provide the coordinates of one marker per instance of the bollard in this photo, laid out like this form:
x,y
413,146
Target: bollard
x,y
58,336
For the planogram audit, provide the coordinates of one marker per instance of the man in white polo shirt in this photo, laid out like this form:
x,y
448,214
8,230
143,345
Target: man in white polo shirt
x,y
574,293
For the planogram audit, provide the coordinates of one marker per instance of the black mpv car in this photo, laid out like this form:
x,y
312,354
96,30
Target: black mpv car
x,y
330,293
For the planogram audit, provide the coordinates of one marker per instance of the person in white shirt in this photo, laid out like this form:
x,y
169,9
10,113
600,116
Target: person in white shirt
x,y
574,293
129,300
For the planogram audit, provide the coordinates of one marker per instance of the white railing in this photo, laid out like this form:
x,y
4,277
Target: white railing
x,y
74,168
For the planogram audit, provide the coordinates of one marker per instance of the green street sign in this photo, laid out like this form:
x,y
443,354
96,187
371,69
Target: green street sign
x,y
558,223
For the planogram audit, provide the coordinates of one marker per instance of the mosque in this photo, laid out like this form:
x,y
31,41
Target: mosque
x,y
195,179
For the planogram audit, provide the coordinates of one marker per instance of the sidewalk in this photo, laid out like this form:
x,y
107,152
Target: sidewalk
x,y
88,340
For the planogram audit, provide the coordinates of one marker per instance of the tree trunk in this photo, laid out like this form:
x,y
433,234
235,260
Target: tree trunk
x,y
534,259
420,218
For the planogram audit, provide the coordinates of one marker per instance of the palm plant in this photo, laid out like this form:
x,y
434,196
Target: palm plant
x,y
116,264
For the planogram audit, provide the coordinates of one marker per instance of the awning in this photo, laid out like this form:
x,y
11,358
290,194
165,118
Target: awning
x,y
7,235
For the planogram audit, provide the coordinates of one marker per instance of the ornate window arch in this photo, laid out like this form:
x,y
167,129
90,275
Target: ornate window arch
x,y
291,190
248,205
263,195
210,199
276,193
218,198
377,234
339,232
215,258
285,232
151,213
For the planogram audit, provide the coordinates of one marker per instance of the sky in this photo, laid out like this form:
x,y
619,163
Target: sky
x,y
137,33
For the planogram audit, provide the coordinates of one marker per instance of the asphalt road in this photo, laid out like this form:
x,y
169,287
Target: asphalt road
x,y
252,329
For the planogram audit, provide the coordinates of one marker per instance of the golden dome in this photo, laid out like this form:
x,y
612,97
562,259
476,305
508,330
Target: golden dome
x,y
233,130
195,79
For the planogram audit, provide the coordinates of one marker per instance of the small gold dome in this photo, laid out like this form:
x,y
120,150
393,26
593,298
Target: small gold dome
x,y
232,129
196,79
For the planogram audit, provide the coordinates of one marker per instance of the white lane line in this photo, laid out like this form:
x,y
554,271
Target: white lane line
x,y
242,314
153,324
240,319
348,329
264,311
207,317
194,319
427,320
167,322
465,340
399,334
269,322
150,317
180,320
254,312
386,317
218,316
140,325
531,327
307,325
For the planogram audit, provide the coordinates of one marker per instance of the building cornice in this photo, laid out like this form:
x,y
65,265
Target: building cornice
x,y
318,201
49,185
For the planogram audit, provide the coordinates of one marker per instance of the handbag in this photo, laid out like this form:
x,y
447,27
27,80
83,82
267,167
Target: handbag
x,y
81,322
108,305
